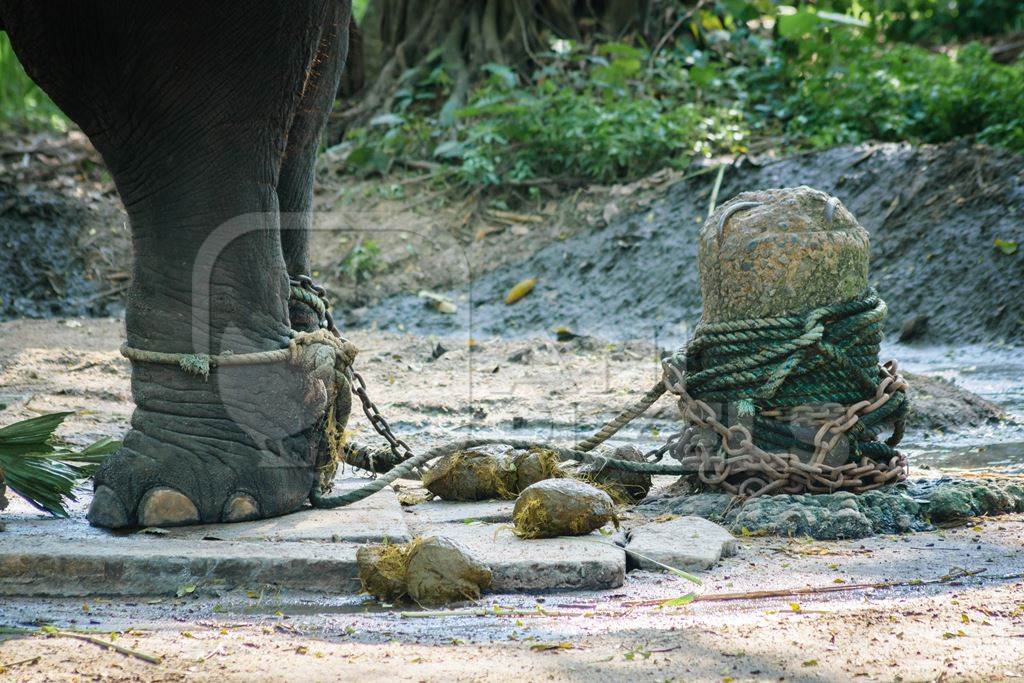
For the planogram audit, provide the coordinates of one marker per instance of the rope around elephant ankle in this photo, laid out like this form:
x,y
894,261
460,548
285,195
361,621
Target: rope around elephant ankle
x,y
200,364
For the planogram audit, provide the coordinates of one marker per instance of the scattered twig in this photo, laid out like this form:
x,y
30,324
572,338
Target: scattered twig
x,y
714,191
120,649
864,157
814,590
498,611
104,294
504,612
30,660
55,632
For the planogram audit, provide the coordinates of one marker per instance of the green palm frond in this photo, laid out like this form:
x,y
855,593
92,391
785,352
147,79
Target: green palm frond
x,y
41,471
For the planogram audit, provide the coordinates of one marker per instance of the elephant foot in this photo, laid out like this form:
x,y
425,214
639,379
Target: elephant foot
x,y
168,486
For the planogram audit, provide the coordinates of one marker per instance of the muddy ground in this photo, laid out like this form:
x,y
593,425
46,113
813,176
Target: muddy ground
x,y
614,262
967,629
933,214
62,230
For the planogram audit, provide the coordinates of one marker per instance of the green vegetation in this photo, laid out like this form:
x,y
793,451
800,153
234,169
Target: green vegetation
x,y
22,103
736,77
362,261
43,471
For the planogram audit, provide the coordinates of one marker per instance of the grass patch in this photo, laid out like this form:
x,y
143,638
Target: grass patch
x,y
22,103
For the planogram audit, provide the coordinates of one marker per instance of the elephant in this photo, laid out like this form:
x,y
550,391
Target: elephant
x,y
207,114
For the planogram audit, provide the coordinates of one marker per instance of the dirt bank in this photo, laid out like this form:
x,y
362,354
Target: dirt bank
x,y
66,249
933,212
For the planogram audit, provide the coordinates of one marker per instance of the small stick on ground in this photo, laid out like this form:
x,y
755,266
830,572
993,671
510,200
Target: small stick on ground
x,y
814,590
30,660
712,597
127,651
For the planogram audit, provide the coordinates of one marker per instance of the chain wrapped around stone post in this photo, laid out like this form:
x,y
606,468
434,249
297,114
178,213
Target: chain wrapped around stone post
x,y
780,386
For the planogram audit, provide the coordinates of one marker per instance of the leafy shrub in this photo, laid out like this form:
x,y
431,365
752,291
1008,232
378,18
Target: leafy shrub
x,y
855,89
22,103
362,261
601,115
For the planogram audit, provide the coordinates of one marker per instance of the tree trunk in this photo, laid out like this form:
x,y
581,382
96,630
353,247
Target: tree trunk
x,y
398,35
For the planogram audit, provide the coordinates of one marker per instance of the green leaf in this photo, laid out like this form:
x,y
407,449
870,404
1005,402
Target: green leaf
x,y
41,473
796,24
1008,247
501,74
387,119
450,149
34,431
680,601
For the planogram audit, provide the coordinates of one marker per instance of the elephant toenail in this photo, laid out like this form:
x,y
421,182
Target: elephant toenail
x,y
241,507
106,509
167,507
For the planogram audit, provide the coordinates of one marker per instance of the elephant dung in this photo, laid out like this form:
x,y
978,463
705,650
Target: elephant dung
x,y
383,569
624,487
430,570
475,474
561,507
441,571
490,472
534,465
780,252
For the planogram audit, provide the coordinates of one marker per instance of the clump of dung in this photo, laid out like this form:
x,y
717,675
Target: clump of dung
x,y
561,507
490,472
534,465
442,571
624,487
383,568
431,571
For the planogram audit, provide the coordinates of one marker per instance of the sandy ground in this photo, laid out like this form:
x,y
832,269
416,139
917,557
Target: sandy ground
x,y
968,629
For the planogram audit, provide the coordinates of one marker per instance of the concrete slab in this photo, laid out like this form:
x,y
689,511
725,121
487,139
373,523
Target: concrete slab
x,y
370,520
690,543
137,565
312,550
584,562
444,511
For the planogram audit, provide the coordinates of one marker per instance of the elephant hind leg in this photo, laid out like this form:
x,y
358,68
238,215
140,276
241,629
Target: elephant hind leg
x,y
191,106
298,167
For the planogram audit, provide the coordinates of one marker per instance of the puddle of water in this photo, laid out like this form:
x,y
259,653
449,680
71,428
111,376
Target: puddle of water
x,y
994,373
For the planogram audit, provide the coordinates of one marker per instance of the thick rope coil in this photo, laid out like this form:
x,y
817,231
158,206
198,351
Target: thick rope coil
x,y
793,389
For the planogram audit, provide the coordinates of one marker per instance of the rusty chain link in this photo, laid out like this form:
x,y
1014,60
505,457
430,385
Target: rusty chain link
x,y
399,448
769,472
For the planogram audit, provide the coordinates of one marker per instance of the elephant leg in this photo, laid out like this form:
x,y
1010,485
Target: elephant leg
x,y
295,186
191,105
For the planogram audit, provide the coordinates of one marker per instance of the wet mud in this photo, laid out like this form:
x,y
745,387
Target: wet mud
x,y
44,271
934,214
66,249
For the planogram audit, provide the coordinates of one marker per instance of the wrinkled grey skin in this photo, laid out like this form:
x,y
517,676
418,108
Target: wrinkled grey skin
x,y
205,113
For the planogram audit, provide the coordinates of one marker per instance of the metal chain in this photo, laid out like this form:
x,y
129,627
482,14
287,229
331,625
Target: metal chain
x,y
783,472
399,448
380,424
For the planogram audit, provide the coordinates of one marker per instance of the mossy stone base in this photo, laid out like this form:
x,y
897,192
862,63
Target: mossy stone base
x,y
916,505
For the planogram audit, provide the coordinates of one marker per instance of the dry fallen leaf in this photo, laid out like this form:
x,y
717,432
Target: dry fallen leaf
x,y
546,647
520,290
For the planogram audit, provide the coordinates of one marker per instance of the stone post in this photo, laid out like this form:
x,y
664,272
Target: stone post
x,y
780,252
